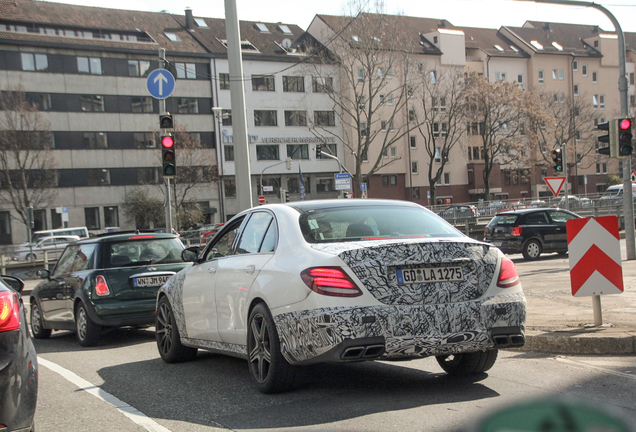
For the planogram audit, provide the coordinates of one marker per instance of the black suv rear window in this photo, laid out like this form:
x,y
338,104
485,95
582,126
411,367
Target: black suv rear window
x,y
142,252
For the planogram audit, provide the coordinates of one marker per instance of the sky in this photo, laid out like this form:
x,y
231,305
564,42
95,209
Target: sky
x,y
465,13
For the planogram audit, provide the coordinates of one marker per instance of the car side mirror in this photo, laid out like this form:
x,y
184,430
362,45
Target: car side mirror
x,y
190,254
14,282
43,274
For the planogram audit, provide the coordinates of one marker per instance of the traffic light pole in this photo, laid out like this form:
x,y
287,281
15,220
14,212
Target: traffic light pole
x,y
162,109
565,171
628,201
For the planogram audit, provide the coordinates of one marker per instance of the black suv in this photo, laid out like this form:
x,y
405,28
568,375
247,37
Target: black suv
x,y
104,282
530,231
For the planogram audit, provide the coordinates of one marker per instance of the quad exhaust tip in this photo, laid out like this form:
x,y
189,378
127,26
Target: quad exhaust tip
x,y
363,352
505,341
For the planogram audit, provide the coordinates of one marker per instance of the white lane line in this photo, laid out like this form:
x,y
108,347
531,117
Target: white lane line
x,y
598,368
132,413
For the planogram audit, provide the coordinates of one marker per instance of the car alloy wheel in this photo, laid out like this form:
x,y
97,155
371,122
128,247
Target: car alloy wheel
x,y
37,328
169,343
87,332
267,365
532,250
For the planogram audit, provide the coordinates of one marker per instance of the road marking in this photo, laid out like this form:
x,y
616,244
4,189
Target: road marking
x,y
132,413
598,368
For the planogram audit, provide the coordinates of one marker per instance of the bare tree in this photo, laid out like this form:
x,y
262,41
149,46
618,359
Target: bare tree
x,y
373,96
503,113
441,117
143,209
27,168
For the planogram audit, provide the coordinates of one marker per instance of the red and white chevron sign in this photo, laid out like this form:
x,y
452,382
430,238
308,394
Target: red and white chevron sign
x,y
595,256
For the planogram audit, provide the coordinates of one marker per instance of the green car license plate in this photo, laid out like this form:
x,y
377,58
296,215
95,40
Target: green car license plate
x,y
150,281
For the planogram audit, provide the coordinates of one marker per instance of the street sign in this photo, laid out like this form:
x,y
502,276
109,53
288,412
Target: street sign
x,y
633,176
160,83
261,199
363,186
343,181
555,184
595,256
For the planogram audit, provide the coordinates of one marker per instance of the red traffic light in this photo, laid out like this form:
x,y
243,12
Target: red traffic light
x,y
167,141
625,124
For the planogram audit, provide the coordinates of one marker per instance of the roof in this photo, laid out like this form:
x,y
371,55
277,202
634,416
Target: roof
x,y
487,40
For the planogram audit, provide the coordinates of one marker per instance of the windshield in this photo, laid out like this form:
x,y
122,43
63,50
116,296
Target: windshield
x,y
140,252
372,223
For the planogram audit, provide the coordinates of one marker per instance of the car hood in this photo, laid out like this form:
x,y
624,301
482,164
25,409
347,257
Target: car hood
x,y
375,264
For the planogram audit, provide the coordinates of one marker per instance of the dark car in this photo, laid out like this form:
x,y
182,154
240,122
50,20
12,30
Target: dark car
x,y
530,232
459,212
18,361
104,282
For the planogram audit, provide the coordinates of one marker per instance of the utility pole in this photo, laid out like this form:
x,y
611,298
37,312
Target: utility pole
x,y
162,109
628,202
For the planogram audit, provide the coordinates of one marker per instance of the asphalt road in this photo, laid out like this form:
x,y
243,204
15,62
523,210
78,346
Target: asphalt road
x,y
123,385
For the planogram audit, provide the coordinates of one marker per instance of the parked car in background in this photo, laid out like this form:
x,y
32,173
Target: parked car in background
x,y
573,202
285,285
104,282
530,232
538,204
613,195
459,212
18,361
81,232
53,246
212,231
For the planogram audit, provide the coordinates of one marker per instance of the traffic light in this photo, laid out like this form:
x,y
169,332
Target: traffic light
x,y
557,157
284,195
624,136
168,156
165,121
318,151
610,149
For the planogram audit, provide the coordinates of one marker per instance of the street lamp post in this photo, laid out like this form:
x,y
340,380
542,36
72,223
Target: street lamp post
x,y
218,116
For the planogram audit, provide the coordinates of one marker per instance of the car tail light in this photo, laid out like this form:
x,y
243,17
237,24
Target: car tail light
x,y
508,275
101,287
330,281
516,231
9,311
485,231
142,237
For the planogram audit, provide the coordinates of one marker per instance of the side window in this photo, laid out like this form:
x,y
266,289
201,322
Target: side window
x,y
254,233
65,264
223,245
537,219
271,239
560,217
84,258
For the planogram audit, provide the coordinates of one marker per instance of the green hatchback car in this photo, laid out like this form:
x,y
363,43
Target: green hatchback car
x,y
104,282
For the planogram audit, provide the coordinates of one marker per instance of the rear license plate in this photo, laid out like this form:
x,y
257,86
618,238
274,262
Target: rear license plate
x,y
149,281
429,274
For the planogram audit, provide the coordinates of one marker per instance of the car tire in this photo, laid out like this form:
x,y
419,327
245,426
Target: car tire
x,y
269,369
169,343
531,250
31,257
468,363
86,331
37,325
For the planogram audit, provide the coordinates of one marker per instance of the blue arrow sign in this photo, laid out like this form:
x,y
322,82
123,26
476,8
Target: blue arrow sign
x,y
160,83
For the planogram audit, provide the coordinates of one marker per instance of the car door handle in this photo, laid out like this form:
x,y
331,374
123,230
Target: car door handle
x,y
249,269
212,270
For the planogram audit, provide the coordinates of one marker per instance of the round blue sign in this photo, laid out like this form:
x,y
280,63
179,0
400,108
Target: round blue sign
x,y
160,83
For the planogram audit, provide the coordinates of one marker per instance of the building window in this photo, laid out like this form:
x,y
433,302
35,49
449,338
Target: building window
x,y
560,74
414,168
294,84
601,168
601,100
363,129
95,140
228,150
541,77
436,130
89,65
595,101
147,176
360,75
111,216
187,106
576,90
447,178
322,85
90,103
393,152
172,36
433,76
295,118
412,117
438,155
325,184
554,74
584,70
41,101
476,153
267,152
91,214
413,142
298,151
224,81
575,65
631,78
230,187
98,177
265,118
471,177
138,68
497,78
35,62
144,140
594,77
263,83
324,118
272,182
186,70
293,184
226,117
142,105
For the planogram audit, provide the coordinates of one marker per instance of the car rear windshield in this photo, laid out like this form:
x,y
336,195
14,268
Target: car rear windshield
x,y
372,223
503,220
142,251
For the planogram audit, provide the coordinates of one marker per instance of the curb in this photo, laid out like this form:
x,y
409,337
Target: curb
x,y
588,341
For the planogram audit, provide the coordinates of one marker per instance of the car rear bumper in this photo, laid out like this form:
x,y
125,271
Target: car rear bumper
x,y
507,246
117,313
395,332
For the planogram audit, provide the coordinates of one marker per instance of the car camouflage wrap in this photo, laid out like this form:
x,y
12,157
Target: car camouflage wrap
x,y
416,320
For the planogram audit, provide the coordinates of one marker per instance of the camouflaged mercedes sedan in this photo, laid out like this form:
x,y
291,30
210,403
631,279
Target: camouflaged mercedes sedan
x,y
283,285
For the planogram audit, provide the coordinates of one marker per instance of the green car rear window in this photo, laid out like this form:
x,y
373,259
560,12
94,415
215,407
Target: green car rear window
x,y
141,252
